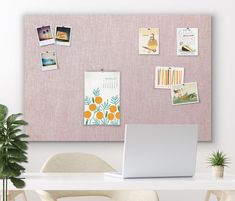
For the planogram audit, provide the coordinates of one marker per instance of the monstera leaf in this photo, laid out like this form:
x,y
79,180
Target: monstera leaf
x,y
3,112
13,147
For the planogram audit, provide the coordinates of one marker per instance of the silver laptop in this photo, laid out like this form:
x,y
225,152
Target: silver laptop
x,y
159,151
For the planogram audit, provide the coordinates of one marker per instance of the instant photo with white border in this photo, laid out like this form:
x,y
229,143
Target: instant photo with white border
x,y
61,41
45,35
48,60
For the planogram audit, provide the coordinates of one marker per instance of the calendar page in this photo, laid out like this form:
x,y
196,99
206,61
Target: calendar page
x,y
102,98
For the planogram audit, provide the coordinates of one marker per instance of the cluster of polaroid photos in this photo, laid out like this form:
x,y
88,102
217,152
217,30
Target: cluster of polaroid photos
x,y
173,78
45,37
187,41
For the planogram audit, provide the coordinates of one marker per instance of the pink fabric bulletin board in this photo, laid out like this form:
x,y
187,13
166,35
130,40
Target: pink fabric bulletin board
x,y
53,100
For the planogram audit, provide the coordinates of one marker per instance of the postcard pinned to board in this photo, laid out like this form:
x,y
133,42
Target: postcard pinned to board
x,y
165,77
186,93
187,41
45,36
102,98
148,40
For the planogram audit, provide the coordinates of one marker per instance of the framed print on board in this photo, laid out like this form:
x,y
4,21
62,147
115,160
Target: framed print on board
x,y
102,98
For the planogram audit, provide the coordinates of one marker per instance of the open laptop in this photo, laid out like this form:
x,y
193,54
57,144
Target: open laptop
x,y
159,151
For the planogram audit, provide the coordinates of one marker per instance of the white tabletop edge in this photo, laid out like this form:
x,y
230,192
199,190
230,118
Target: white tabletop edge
x,y
99,181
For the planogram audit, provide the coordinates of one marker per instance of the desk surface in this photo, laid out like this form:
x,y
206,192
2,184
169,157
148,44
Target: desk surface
x,y
98,181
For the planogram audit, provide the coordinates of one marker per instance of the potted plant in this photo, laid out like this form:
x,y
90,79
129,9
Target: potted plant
x,y
218,160
13,146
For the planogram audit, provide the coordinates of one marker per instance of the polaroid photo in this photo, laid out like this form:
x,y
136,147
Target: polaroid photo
x,y
62,36
149,41
186,93
45,36
165,77
187,41
48,61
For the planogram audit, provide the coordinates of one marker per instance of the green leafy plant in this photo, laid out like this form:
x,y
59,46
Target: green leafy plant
x,y
218,158
13,147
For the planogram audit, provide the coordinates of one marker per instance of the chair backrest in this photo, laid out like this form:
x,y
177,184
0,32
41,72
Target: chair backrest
x,y
75,162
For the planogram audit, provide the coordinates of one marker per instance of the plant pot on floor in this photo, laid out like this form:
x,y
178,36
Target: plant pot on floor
x,y
217,171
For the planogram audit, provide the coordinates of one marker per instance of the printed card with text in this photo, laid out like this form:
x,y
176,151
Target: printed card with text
x,y
187,41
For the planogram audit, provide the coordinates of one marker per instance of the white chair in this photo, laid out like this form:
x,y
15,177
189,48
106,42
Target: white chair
x,y
221,195
82,162
13,194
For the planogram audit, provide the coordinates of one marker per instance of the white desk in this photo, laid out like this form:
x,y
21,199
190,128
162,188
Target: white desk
x,y
97,181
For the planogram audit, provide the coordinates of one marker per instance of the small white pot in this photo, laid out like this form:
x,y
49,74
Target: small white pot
x,y
217,171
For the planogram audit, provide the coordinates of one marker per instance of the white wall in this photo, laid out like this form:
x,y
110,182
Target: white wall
x,y
11,71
